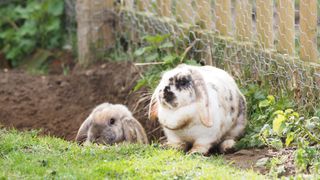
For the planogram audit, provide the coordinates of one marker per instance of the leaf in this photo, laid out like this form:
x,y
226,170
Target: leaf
x,y
166,45
54,42
21,11
289,139
278,123
28,28
278,112
139,51
317,112
55,7
140,84
288,111
53,25
310,125
169,59
295,114
264,103
259,95
13,53
152,57
192,62
276,143
27,45
157,39
271,99
8,34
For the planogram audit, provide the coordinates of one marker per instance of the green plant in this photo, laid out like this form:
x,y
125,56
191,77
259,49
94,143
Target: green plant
x,y
261,107
158,49
273,135
273,122
31,24
276,166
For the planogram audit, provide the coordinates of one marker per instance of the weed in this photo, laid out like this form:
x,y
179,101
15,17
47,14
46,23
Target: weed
x,y
273,122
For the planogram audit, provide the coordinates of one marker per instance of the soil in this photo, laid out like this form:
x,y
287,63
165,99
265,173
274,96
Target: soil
x,y
259,160
247,159
58,104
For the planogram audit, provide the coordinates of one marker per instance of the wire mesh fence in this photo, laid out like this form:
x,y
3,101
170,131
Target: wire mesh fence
x,y
70,17
273,43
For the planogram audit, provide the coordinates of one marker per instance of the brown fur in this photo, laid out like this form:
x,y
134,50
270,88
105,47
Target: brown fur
x,y
134,132
221,126
124,127
153,108
184,124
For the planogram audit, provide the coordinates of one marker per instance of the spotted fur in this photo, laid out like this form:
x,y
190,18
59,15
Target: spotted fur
x,y
208,108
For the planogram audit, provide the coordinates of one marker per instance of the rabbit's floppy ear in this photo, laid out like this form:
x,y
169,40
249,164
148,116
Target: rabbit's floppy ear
x,y
205,106
133,131
83,130
153,107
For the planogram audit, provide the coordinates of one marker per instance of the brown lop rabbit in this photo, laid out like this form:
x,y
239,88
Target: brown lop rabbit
x,y
110,124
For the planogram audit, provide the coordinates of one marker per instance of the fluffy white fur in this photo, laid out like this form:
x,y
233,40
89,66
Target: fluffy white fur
x,y
210,112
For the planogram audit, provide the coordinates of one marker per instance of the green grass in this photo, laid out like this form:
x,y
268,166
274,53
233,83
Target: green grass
x,y
25,155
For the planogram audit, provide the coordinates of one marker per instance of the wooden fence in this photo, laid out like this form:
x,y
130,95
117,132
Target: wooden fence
x,y
257,41
217,16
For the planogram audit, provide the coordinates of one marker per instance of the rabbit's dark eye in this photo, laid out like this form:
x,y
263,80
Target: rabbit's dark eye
x,y
182,83
112,121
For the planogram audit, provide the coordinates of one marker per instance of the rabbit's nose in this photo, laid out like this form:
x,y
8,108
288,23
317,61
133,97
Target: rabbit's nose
x,y
95,139
167,88
167,94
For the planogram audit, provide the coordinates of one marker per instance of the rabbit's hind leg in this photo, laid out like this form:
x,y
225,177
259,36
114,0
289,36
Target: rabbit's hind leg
x,y
237,129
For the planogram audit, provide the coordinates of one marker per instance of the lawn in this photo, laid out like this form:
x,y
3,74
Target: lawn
x,y
25,155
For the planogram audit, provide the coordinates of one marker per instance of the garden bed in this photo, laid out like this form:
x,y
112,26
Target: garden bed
x,y
58,104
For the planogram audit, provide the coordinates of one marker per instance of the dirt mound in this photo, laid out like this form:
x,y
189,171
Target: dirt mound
x,y
58,104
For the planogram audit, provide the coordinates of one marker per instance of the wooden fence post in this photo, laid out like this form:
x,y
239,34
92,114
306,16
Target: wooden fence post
x,y
308,30
243,20
265,23
144,5
223,17
286,27
94,28
83,31
129,4
164,7
184,11
204,19
204,13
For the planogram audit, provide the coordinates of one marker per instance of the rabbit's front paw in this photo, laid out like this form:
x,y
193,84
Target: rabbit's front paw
x,y
200,149
227,146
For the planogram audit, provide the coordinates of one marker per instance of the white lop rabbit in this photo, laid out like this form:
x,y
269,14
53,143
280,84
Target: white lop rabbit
x,y
109,124
199,106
